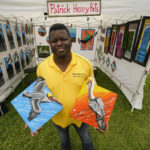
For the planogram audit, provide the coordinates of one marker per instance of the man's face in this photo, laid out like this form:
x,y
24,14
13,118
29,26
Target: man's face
x,y
60,43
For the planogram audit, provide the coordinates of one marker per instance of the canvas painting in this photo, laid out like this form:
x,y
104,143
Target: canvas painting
x,y
10,36
72,32
2,40
107,62
94,105
43,51
87,35
17,32
113,66
23,34
130,37
26,29
9,66
42,31
17,62
27,57
112,39
107,38
22,58
143,44
36,104
119,40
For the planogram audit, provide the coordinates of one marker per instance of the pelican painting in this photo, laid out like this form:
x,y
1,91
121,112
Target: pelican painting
x,y
36,97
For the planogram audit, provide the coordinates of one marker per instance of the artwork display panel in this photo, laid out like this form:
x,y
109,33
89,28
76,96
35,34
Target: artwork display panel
x,y
2,40
2,81
107,39
119,40
10,36
112,39
130,36
9,66
43,51
143,43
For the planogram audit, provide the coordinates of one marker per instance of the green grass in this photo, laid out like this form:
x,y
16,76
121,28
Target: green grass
x,y
127,130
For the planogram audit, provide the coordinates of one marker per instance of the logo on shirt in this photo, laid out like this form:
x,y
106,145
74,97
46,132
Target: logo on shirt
x,y
78,74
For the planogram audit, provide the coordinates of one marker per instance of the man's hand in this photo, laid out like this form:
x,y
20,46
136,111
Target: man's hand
x,y
32,133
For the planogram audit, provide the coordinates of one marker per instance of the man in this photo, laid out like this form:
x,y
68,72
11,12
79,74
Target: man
x,y
65,72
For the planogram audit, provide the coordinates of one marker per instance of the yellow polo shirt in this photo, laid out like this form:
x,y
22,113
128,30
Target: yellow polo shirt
x,y
65,86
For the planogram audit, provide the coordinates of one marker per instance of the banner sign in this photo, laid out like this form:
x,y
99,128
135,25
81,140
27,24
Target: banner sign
x,y
59,8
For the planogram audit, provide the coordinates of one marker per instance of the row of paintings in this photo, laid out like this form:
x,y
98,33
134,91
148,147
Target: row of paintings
x,y
86,41
104,60
42,31
9,33
130,41
17,61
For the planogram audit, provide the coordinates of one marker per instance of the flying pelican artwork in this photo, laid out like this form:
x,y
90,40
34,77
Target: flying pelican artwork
x,y
36,97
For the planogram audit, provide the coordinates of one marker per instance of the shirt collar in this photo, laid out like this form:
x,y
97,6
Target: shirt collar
x,y
72,63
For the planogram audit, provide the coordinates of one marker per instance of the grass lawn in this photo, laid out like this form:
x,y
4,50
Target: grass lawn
x,y
127,130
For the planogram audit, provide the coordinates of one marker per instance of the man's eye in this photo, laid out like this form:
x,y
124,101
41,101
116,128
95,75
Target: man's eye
x,y
54,41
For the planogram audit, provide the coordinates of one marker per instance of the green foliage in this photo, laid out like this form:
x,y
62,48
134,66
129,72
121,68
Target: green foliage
x,y
127,130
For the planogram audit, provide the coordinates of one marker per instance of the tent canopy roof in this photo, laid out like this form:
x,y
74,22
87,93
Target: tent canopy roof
x,y
112,11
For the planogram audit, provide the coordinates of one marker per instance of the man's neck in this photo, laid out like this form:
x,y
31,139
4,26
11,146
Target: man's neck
x,y
63,63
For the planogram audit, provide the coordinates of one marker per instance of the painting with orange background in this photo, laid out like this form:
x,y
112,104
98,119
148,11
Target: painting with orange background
x,y
94,105
87,33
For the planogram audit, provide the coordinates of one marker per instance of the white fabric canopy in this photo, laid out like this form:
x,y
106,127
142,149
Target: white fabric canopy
x,y
112,11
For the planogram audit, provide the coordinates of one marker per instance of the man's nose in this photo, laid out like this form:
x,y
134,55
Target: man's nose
x,y
59,42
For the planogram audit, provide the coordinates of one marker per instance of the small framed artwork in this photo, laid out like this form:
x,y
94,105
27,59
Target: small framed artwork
x,y
10,36
23,34
119,40
107,38
72,32
27,57
87,39
17,62
22,58
2,81
2,40
43,51
129,40
112,39
42,31
17,32
113,66
143,43
9,66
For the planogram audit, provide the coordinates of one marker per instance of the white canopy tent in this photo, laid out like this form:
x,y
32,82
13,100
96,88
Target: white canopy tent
x,y
112,12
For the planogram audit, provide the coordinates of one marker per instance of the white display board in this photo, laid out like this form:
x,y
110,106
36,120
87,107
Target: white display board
x,y
128,76
76,46
16,53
